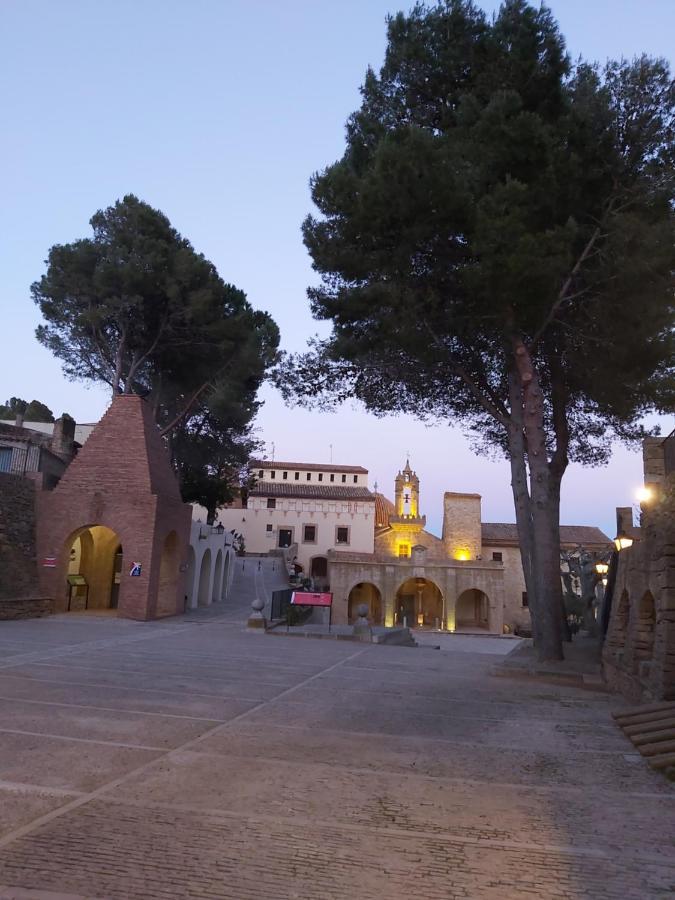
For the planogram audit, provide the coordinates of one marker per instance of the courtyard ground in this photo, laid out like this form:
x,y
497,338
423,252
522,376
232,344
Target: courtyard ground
x,y
191,759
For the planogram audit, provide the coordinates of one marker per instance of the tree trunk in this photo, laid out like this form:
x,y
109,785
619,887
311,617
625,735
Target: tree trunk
x,y
544,509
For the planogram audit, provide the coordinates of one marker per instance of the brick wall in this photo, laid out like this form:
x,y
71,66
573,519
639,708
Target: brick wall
x,y
18,569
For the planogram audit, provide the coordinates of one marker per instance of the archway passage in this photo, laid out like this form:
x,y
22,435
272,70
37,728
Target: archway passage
x,y
95,561
226,577
643,648
419,604
203,596
366,593
472,610
167,592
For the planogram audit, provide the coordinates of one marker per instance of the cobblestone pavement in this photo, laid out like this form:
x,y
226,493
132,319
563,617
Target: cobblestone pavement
x,y
191,759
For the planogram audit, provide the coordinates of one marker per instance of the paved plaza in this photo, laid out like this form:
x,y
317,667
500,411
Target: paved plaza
x,y
189,758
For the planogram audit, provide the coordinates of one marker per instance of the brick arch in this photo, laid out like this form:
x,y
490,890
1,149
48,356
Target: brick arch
x,y
98,545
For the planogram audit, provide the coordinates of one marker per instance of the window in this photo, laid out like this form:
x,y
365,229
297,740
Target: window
x,y
497,557
271,503
403,551
525,602
269,528
356,479
297,476
285,537
341,535
320,476
273,474
309,534
332,477
284,475
344,479
260,473
309,476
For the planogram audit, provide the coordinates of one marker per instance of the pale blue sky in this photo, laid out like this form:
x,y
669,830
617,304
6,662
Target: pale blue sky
x,y
217,112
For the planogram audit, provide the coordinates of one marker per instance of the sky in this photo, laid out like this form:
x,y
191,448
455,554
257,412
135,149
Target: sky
x,y
217,112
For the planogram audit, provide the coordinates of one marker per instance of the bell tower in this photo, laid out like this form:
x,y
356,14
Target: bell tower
x,y
407,493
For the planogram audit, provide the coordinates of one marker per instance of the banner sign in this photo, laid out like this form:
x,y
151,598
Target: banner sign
x,y
49,562
300,598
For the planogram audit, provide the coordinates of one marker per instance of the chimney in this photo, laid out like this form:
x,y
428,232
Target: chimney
x,y
63,437
19,420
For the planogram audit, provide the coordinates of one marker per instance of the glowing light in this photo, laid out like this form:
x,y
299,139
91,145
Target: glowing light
x,y
601,568
462,555
644,495
623,542
420,618
604,582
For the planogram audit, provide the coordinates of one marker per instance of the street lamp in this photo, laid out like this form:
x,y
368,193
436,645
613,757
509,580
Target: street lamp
x,y
218,529
622,541
602,568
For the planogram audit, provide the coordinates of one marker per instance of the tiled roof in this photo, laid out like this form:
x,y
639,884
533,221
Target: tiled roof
x,y
306,467
383,509
507,533
316,491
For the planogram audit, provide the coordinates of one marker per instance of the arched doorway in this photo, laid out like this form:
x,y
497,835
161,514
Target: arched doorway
x,y
203,595
95,563
367,593
472,610
217,577
643,648
318,569
419,604
168,576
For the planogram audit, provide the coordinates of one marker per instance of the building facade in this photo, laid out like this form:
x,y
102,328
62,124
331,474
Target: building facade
x,y
320,508
471,579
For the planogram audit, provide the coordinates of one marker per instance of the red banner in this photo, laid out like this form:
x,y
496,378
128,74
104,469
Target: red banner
x,y
300,598
49,562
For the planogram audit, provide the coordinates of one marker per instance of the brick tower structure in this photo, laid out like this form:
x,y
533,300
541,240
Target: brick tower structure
x,y
116,517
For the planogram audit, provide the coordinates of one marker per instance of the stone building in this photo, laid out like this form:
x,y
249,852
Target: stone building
x,y
471,579
639,647
318,507
38,453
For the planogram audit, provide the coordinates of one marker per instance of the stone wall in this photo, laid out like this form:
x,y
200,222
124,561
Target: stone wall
x,y
26,608
461,525
639,648
18,565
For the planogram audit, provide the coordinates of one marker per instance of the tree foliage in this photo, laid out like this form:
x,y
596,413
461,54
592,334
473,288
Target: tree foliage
x,y
496,247
137,308
33,411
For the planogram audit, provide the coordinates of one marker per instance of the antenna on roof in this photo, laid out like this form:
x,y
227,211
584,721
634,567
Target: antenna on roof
x,y
273,451
331,452
375,486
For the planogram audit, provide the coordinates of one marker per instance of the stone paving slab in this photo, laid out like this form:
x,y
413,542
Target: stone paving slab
x,y
116,851
20,804
410,803
309,769
448,759
65,764
158,732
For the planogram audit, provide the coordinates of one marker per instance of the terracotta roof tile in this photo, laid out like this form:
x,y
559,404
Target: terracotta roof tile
x,y
317,491
507,533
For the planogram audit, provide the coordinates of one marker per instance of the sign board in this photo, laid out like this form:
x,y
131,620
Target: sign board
x,y
49,562
135,570
301,598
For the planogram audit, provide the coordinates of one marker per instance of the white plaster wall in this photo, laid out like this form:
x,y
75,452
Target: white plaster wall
x,y
215,543
294,513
